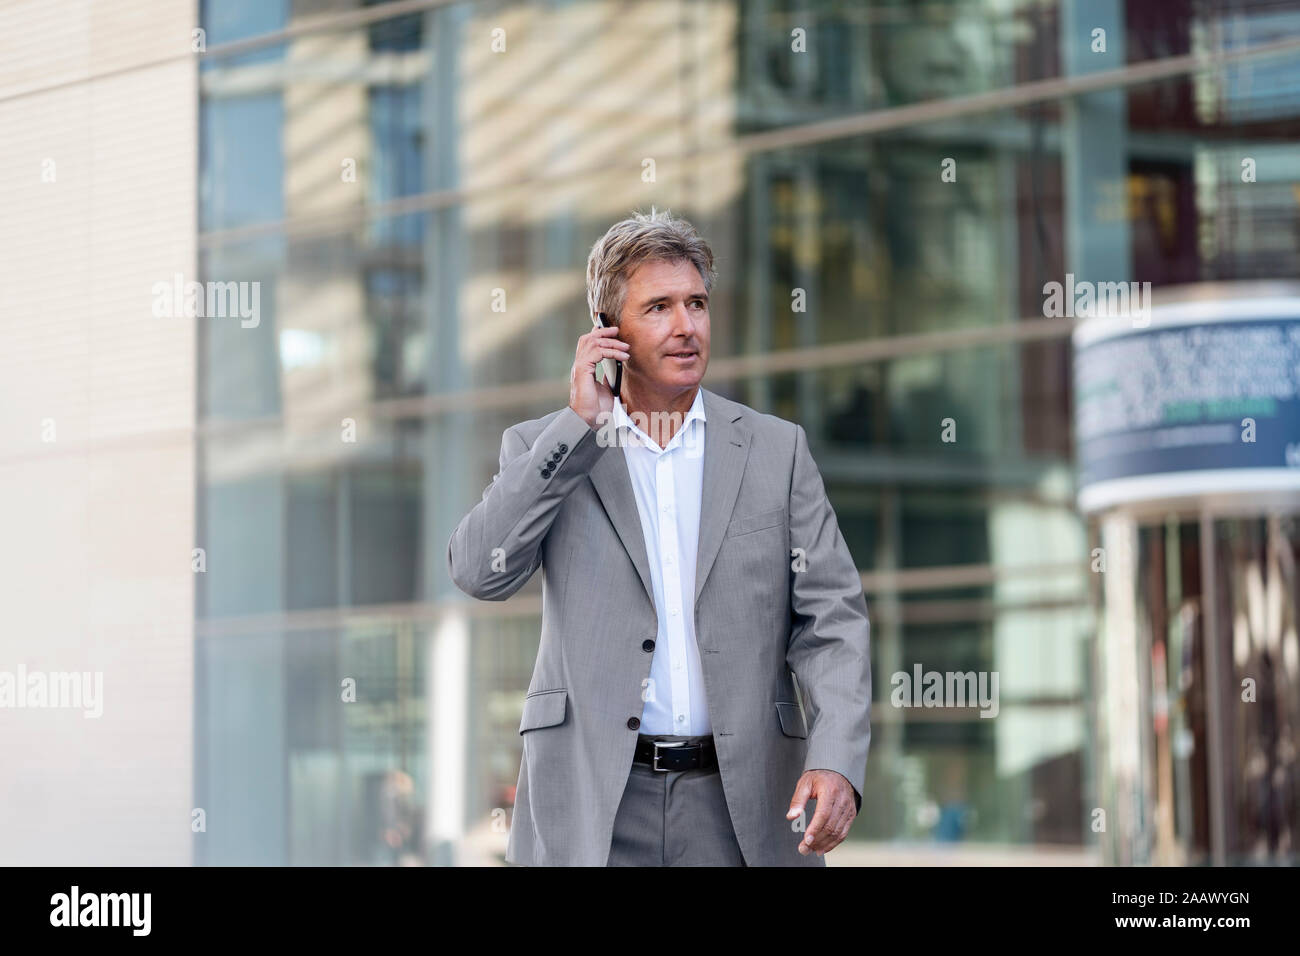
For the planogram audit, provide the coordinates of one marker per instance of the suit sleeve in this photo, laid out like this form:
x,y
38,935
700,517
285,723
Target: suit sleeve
x,y
497,546
830,641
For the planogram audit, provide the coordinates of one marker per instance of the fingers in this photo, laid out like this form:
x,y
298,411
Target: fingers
x,y
838,828
589,395
802,791
600,344
608,342
604,334
814,840
831,821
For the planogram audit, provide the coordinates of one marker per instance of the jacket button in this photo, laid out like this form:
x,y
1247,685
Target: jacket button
x,y
546,473
647,645
561,448
556,457
633,723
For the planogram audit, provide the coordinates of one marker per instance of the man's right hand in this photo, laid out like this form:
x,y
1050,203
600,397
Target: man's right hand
x,y
587,396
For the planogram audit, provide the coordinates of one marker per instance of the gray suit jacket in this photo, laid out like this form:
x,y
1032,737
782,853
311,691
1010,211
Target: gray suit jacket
x,y
564,502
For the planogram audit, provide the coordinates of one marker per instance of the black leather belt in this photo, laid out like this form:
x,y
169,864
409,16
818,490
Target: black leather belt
x,y
666,755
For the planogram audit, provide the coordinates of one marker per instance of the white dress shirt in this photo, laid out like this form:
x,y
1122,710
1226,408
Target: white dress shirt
x,y
669,486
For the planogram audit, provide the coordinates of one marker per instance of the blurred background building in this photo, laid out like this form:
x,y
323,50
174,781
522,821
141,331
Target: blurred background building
x,y
244,525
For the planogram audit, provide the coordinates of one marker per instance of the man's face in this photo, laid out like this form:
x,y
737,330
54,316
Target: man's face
x,y
665,323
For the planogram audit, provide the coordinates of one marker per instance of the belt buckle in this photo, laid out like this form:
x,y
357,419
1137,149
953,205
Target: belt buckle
x,y
667,745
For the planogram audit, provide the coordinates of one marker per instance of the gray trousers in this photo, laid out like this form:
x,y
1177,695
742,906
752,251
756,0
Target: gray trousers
x,y
678,818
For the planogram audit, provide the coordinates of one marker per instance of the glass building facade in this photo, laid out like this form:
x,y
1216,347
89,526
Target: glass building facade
x,y
887,186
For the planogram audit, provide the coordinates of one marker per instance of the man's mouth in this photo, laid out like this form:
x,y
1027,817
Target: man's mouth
x,y
682,355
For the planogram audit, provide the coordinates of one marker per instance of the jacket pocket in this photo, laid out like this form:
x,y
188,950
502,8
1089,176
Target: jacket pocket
x,y
545,708
792,725
756,522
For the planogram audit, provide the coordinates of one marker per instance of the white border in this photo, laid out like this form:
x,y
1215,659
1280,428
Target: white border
x,y
1180,484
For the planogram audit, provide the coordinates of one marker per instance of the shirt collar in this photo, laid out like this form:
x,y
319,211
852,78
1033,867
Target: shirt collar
x,y
623,420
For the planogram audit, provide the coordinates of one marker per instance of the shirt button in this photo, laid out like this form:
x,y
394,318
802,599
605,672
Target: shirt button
x,y
633,723
681,718
647,646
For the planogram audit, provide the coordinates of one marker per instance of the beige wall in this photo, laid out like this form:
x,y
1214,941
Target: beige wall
x,y
98,522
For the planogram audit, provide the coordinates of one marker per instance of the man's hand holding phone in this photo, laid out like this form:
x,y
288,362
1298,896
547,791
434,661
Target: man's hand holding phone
x,y
589,396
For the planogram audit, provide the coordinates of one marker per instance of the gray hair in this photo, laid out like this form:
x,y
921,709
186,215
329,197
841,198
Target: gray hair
x,y
642,238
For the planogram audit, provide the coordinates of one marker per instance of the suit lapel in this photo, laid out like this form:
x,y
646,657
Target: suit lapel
x,y
614,486
726,449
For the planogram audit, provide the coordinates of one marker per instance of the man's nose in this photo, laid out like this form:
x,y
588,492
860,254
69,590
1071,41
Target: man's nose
x,y
683,324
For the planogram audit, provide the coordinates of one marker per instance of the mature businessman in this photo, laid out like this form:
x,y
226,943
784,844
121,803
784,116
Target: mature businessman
x,y
691,563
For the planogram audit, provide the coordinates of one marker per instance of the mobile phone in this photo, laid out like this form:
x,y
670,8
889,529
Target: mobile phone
x,y
612,368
